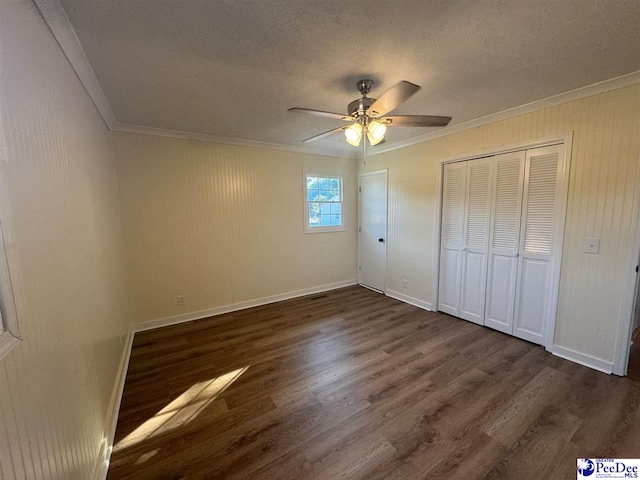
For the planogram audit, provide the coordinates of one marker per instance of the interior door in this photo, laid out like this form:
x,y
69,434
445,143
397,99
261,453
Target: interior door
x,y
504,241
537,246
476,239
454,187
372,236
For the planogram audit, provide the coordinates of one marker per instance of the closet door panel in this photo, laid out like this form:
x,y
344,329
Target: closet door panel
x,y
452,236
476,240
501,289
449,282
537,248
533,299
503,248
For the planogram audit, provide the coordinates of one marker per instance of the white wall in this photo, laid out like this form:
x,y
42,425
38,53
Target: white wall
x,y
602,188
60,213
223,224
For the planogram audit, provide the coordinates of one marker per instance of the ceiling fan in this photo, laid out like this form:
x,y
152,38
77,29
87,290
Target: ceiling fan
x,y
369,115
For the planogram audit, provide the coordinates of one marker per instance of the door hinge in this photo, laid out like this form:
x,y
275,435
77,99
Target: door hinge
x,y
360,229
359,268
360,189
636,268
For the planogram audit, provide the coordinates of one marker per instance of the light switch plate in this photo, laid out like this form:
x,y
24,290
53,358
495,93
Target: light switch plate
x,y
591,245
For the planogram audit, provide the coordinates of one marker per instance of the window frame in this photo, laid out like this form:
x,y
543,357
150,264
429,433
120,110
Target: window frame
x,y
306,202
9,331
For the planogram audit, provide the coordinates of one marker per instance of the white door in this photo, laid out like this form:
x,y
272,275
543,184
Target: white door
x,y
535,289
476,239
504,241
454,189
372,237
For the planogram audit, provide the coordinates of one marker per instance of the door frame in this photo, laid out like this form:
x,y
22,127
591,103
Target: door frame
x,y
561,210
385,171
623,343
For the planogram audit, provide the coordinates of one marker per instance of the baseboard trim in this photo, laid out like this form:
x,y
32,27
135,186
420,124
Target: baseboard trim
x,y
189,317
102,465
582,359
410,300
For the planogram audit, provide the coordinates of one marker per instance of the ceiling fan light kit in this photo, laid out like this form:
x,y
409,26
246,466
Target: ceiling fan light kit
x,y
354,134
375,132
367,115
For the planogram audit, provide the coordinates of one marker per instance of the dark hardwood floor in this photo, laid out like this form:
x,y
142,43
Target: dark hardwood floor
x,y
353,384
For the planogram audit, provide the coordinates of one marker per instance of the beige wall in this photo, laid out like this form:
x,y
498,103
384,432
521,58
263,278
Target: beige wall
x,y
61,215
602,188
223,224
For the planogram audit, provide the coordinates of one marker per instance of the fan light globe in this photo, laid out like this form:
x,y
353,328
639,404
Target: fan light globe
x,y
354,134
377,130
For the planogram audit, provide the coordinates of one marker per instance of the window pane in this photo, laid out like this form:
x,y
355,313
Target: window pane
x,y
312,195
324,197
314,214
325,220
325,208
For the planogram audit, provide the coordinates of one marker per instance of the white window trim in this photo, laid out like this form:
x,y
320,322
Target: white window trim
x,y
305,204
9,332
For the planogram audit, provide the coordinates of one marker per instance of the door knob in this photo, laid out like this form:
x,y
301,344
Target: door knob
x,y
381,240
464,249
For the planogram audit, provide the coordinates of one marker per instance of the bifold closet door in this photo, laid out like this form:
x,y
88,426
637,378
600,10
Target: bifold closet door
x,y
454,187
475,247
504,242
538,247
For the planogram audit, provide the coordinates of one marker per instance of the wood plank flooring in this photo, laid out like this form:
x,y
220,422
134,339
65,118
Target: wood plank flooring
x,y
353,384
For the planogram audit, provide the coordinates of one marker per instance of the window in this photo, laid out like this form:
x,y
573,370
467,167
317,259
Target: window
x,y
9,334
323,204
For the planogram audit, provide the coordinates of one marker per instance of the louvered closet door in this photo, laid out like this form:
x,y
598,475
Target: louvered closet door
x,y
476,239
504,241
537,246
451,236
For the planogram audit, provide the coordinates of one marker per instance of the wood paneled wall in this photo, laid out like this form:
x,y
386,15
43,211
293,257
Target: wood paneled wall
x,y
603,186
223,224
60,214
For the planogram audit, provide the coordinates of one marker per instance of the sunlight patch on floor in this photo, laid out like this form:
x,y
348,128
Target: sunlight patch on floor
x,y
182,410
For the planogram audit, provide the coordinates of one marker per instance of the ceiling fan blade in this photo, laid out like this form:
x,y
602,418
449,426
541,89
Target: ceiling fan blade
x,y
320,113
325,134
415,121
391,98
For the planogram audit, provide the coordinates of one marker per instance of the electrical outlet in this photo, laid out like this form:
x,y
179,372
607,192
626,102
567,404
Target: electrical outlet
x,y
181,300
405,283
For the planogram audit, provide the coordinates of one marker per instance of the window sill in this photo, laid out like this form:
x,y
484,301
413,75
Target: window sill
x,y
7,343
324,229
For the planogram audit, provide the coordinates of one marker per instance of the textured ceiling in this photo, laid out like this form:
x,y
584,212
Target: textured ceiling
x,y
231,68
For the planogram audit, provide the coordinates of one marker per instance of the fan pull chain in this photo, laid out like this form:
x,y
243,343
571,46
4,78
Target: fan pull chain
x,y
364,148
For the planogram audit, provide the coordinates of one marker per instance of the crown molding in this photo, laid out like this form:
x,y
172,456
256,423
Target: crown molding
x,y
56,18
204,137
570,96
58,22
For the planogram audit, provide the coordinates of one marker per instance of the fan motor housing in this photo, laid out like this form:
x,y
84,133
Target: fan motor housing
x,y
360,106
